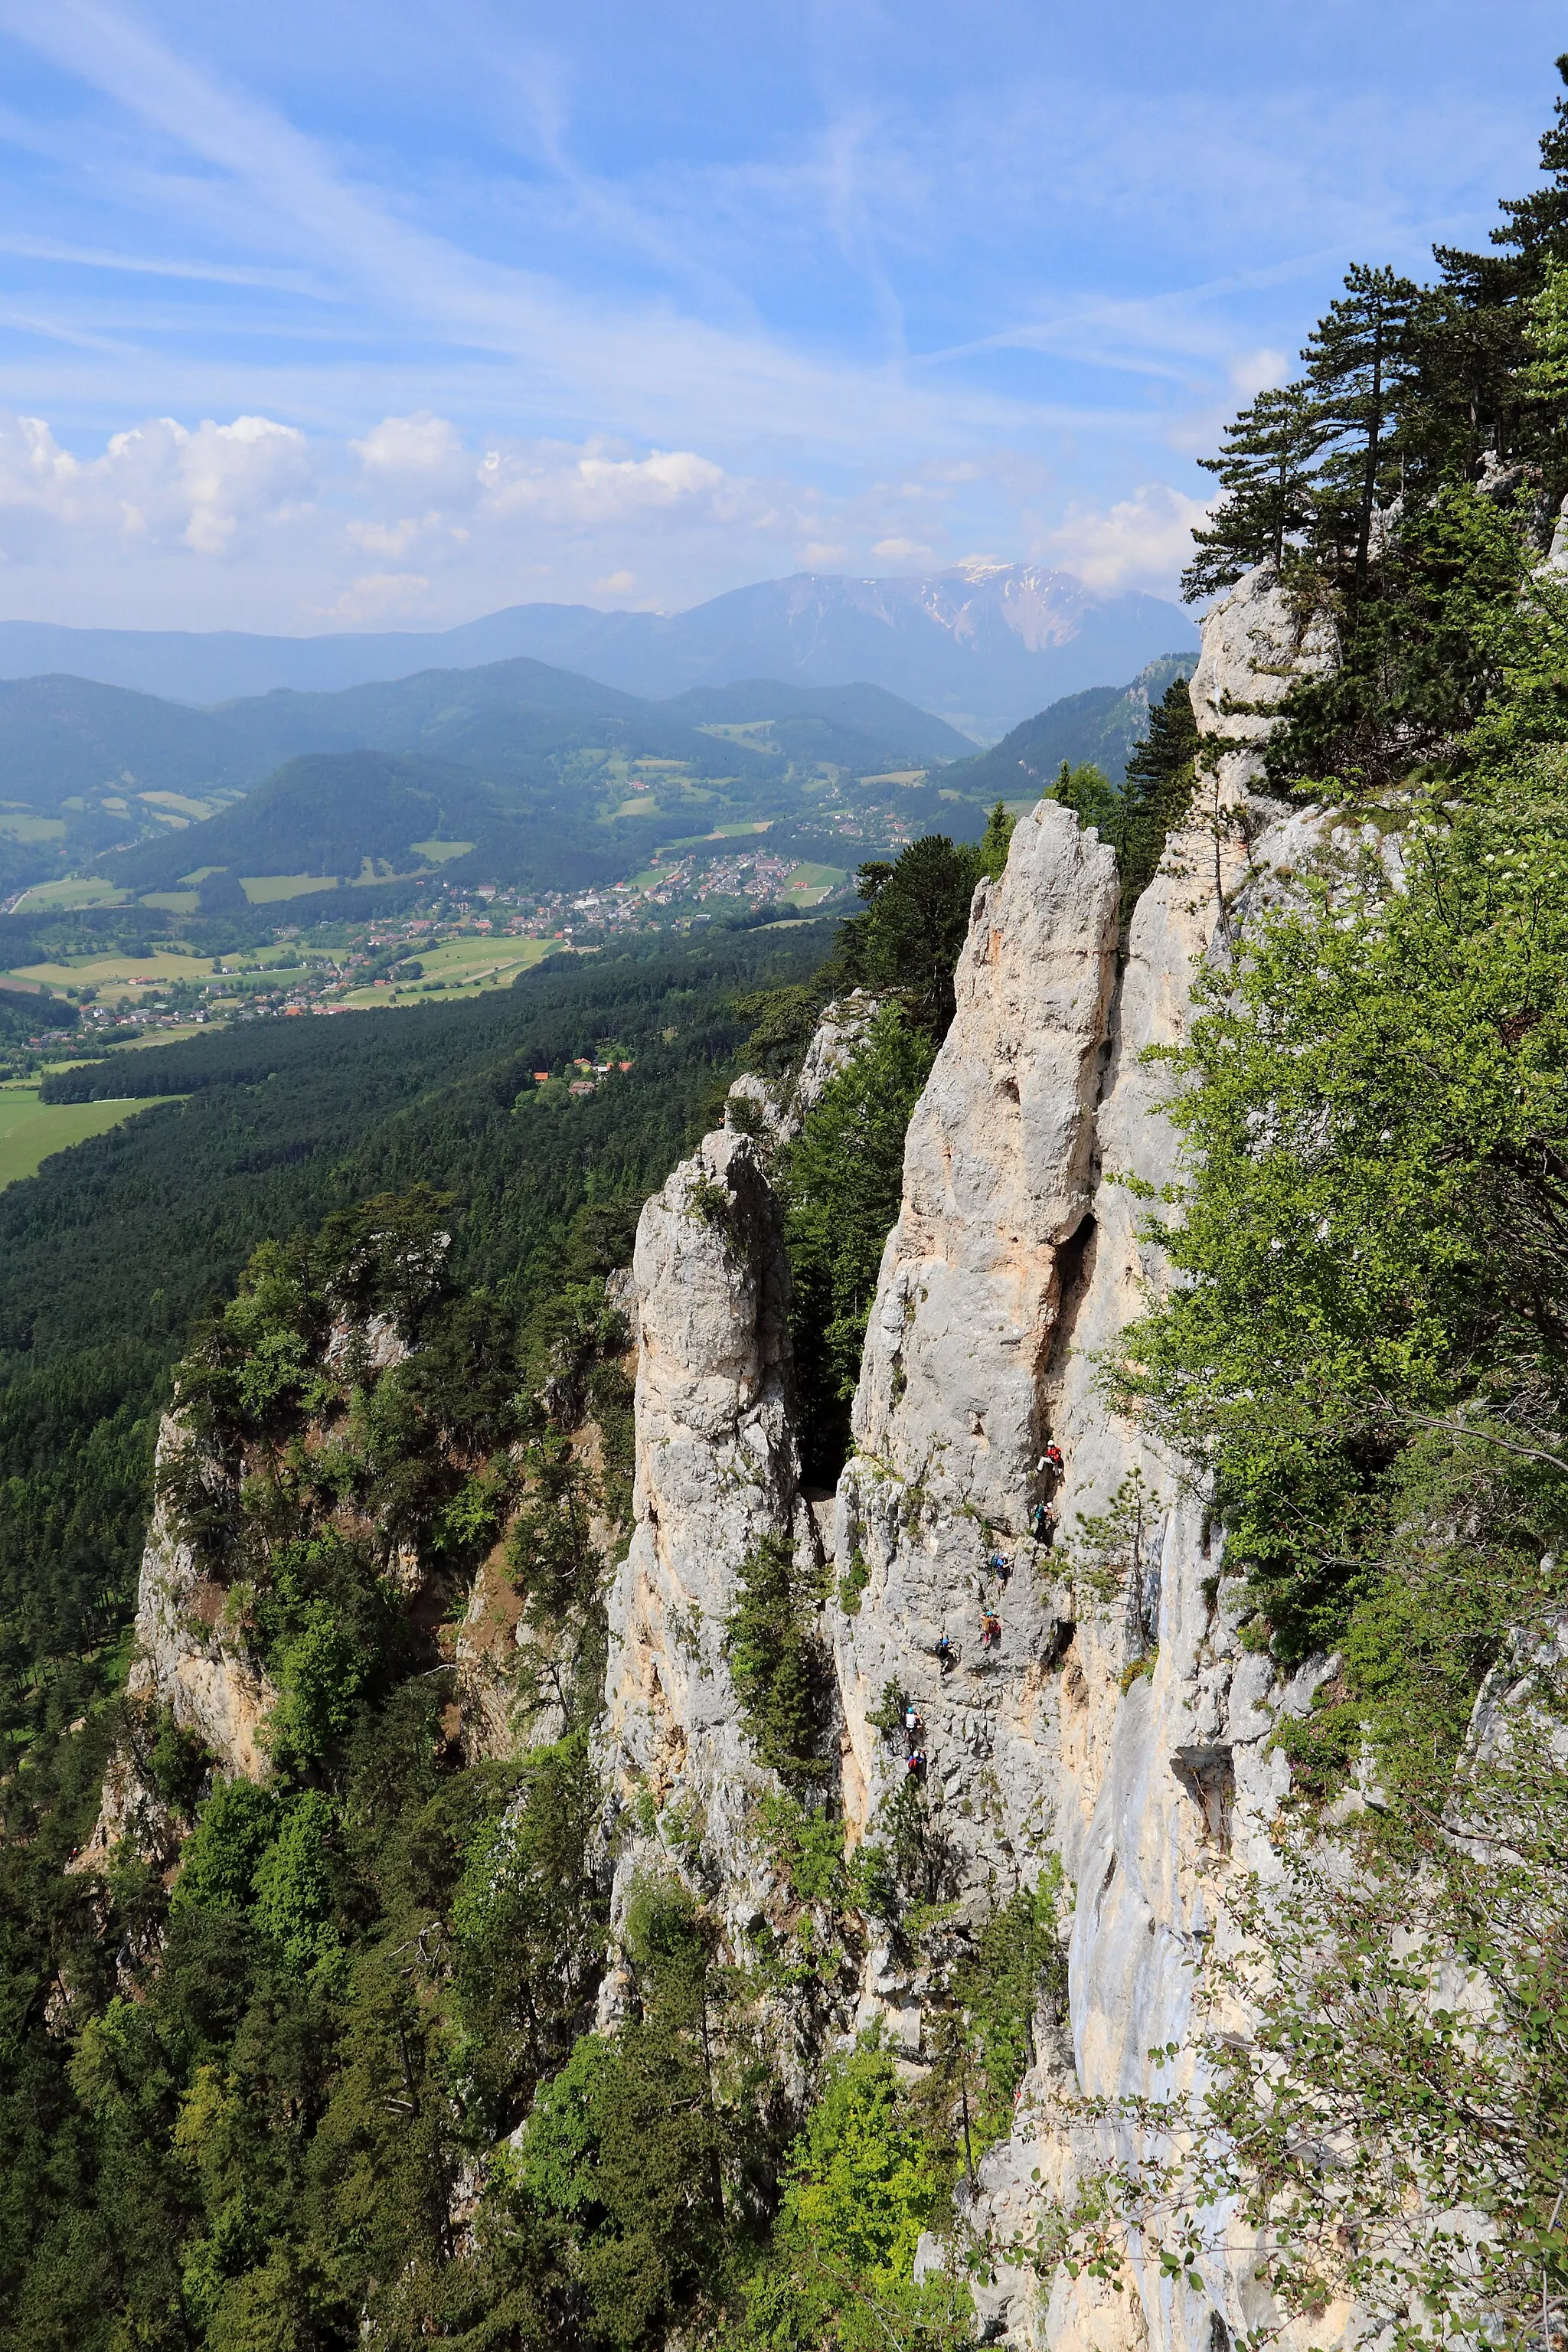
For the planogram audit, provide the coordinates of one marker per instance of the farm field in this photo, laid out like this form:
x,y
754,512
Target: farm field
x,y
439,852
465,966
118,971
271,890
30,1130
810,883
153,1037
20,826
77,890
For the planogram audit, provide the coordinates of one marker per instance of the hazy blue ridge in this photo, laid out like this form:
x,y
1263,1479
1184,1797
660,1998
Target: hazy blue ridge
x,y
1104,723
953,645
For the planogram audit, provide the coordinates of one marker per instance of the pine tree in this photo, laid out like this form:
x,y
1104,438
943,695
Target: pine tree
x,y
1265,471
1359,363
1160,776
1535,229
1476,371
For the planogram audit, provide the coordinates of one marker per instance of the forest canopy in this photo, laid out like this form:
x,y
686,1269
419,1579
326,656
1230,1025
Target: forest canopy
x,y
318,2057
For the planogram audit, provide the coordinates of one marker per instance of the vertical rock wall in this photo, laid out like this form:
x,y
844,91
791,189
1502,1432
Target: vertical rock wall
x,y
1128,1736
717,1471
952,1407
1163,1783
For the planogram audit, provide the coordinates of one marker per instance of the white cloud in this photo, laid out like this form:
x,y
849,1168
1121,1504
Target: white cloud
x,y
211,488
421,446
1141,541
381,596
900,550
251,523
508,485
452,525
594,486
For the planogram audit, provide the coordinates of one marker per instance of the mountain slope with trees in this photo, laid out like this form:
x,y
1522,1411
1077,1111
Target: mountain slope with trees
x,y
345,2076
1099,728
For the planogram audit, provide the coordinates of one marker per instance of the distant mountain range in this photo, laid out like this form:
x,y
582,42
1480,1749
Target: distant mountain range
x,y
1102,724
513,771
982,646
64,736
541,774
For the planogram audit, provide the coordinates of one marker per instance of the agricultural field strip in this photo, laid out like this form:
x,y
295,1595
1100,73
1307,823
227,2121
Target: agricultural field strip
x,y
31,1130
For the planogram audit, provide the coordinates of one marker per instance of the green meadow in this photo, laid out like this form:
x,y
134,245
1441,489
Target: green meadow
x,y
31,1130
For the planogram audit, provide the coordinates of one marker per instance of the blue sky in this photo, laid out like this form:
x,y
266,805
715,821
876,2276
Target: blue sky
x,y
352,315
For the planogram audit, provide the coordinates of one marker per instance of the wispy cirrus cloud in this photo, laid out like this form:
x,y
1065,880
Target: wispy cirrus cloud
x,y
715,294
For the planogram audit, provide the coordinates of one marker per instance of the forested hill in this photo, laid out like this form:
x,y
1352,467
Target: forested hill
x,y
1102,726
111,1251
564,779
333,2036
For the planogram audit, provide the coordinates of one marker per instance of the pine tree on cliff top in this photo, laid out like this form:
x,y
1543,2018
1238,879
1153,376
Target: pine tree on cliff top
x,y
1535,229
1265,471
1359,363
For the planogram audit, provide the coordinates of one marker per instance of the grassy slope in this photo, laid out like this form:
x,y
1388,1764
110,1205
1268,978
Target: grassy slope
x,y
30,1130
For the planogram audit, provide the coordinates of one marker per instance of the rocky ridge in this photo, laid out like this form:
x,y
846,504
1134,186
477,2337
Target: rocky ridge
x,y
1127,1736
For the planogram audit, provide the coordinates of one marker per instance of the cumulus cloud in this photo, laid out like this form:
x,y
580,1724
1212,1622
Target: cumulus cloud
x,y
897,549
450,523
596,487
207,487
1140,542
509,492
419,447
250,524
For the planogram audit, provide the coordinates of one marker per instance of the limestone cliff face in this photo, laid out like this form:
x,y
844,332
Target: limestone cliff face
x,y
1117,1723
1161,1782
180,1663
183,1661
717,1471
961,1353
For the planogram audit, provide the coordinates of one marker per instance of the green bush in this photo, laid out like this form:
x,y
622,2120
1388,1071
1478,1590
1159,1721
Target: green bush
x,y
843,1181
320,1675
295,1882
773,1648
233,1829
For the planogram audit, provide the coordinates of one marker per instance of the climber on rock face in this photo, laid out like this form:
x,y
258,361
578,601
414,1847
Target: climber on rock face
x,y
990,1630
917,1763
1043,1524
912,1723
944,1652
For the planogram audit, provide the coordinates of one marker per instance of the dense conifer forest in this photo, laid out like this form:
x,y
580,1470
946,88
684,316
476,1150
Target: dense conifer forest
x,y
334,2079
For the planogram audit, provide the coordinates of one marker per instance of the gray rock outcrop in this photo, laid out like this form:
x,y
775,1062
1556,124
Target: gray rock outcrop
x,y
776,1107
1256,643
961,1353
717,1472
1115,1721
184,1662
